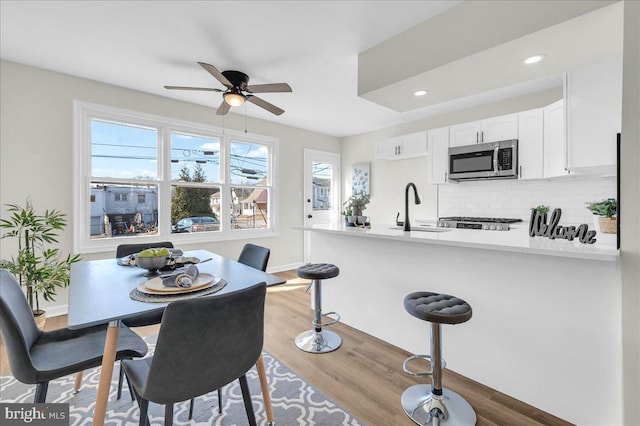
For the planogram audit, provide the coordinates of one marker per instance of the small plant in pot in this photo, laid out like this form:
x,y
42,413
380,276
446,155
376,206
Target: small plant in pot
x,y
40,269
356,204
604,213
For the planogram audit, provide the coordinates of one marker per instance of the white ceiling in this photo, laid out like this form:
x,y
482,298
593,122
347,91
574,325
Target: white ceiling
x,y
312,45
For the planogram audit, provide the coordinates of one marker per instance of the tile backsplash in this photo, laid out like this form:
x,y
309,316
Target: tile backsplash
x,y
514,199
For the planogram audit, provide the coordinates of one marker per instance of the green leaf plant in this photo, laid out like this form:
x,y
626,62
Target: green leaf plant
x,y
42,270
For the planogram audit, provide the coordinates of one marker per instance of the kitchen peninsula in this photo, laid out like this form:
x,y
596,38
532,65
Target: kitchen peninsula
x,y
545,326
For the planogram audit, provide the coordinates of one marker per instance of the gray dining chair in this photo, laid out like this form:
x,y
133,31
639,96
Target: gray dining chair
x,y
257,257
37,357
204,343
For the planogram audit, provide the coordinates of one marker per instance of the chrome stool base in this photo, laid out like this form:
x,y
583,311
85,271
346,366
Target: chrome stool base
x,y
424,408
318,342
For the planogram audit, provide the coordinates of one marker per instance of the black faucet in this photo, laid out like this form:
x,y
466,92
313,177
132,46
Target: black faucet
x,y
416,198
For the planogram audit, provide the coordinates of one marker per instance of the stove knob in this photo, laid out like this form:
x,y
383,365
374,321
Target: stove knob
x,y
492,227
485,227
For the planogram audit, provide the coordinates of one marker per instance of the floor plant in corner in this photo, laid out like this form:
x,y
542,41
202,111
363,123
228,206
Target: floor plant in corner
x,y
39,267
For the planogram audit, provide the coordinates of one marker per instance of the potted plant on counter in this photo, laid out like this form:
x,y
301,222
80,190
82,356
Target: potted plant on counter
x,y
604,215
40,269
356,204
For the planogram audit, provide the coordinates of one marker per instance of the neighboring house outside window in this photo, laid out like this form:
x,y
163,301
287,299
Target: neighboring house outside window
x,y
145,178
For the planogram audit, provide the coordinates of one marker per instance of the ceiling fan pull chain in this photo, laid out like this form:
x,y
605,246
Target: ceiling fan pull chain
x,y
245,117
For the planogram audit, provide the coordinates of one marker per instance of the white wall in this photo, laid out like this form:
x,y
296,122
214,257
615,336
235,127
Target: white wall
x,y
630,214
36,151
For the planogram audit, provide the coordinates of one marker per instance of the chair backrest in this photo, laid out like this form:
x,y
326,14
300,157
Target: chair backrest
x,y
127,249
255,256
18,327
205,343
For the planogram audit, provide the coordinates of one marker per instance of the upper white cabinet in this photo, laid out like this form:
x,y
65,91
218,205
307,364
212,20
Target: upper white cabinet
x,y
493,129
594,111
531,144
554,140
439,154
401,147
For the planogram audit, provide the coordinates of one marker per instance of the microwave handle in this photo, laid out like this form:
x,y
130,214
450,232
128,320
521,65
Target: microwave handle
x,y
496,150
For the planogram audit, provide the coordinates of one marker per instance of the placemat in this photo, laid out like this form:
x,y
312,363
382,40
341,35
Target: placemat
x,y
161,298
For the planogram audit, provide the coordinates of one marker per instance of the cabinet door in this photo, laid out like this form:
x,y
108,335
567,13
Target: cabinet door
x,y
412,145
500,128
594,111
554,140
439,154
464,134
531,144
387,149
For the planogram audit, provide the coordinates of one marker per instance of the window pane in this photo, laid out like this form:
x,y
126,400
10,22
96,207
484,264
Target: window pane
x,y
195,158
123,151
195,209
322,175
248,164
116,210
249,208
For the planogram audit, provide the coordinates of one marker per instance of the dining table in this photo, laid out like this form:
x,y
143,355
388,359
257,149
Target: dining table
x,y
99,293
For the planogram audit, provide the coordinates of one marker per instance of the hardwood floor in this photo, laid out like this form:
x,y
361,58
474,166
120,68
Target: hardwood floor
x,y
365,374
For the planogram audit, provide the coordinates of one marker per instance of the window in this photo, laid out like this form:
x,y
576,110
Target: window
x,y
144,178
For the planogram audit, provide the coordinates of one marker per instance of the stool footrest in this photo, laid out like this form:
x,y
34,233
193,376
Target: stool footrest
x,y
326,324
421,373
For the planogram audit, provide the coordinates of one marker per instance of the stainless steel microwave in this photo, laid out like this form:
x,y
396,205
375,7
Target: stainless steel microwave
x,y
493,160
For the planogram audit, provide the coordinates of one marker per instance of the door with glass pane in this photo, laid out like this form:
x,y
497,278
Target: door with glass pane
x,y
321,190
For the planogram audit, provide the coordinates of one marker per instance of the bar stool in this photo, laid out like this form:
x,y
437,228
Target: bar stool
x,y
432,404
319,341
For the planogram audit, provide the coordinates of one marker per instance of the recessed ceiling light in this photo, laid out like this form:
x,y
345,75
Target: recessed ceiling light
x,y
533,59
420,92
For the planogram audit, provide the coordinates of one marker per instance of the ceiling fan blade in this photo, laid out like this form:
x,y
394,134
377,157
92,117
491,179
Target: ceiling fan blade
x,y
208,89
223,109
273,87
264,104
217,74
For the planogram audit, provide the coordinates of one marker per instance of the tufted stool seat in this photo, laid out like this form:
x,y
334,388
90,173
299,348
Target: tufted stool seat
x,y
318,271
440,308
433,404
318,340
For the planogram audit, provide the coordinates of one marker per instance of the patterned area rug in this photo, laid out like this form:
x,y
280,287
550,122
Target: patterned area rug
x,y
295,402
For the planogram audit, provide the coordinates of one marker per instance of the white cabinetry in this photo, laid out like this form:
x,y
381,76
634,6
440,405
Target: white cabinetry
x,y
493,129
594,111
531,144
401,147
554,140
439,154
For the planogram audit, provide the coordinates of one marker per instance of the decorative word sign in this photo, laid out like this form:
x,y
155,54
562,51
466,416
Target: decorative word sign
x,y
538,227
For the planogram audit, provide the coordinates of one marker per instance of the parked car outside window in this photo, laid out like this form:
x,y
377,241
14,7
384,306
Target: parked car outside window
x,y
196,224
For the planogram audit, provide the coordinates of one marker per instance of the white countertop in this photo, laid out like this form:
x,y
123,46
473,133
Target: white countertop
x,y
515,240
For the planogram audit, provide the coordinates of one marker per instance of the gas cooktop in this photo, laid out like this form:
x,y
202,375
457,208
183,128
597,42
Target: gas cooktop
x,y
482,223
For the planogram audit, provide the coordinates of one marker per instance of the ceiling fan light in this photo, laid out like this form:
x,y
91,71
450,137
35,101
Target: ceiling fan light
x,y
234,99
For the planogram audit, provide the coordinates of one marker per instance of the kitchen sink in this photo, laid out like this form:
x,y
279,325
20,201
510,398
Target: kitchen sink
x,y
423,229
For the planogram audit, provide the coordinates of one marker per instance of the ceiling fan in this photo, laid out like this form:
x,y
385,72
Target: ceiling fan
x,y
238,90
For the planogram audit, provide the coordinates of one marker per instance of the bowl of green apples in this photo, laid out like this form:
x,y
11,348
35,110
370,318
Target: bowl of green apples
x,y
153,259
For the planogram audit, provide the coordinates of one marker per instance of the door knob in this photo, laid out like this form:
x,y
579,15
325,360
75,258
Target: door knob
x,y
309,216
308,200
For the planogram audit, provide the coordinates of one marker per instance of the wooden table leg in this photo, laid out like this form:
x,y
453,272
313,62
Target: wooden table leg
x,y
104,385
264,386
78,383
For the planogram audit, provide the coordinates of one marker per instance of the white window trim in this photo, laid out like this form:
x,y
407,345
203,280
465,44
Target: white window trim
x,y
83,112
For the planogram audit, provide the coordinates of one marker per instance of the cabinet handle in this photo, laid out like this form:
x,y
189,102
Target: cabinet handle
x,y
482,136
520,172
477,137
396,149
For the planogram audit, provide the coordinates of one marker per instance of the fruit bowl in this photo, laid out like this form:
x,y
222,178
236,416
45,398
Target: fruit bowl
x,y
152,263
